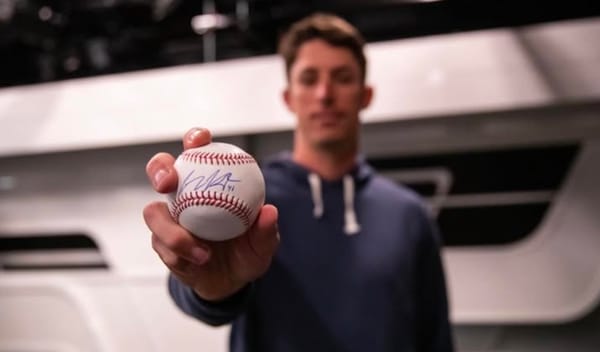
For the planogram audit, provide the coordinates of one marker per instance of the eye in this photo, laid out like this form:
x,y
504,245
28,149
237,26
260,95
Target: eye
x,y
308,78
344,76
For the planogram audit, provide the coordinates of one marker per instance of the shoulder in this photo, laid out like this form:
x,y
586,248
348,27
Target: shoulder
x,y
384,188
279,172
283,178
409,206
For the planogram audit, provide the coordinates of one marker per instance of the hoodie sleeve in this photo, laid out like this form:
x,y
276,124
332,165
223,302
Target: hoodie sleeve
x,y
434,329
211,313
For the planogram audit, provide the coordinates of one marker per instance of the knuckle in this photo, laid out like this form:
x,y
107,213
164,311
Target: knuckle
x,y
170,260
173,262
176,241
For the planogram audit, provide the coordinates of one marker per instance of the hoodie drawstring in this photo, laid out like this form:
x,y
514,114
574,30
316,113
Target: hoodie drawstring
x,y
317,196
351,226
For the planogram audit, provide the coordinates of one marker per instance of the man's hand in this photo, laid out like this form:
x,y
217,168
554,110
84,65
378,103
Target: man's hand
x,y
215,270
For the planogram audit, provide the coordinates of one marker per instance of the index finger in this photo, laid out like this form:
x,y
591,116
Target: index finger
x,y
161,173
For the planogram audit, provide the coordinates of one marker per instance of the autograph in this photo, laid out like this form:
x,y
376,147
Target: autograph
x,y
219,179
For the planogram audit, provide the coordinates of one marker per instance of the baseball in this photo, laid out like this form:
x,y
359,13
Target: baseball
x,y
220,192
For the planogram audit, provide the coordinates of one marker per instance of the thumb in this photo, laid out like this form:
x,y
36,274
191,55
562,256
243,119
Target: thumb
x,y
264,235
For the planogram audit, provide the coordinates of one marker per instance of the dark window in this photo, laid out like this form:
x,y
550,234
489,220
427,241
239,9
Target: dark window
x,y
64,251
494,196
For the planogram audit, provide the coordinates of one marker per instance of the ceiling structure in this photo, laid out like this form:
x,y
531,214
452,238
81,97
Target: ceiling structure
x,y
52,40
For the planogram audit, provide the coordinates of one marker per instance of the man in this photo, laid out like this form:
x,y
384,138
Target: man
x,y
357,266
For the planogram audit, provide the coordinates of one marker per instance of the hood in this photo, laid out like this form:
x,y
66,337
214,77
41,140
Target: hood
x,y
353,181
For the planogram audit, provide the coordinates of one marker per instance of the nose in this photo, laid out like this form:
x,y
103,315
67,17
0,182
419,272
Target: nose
x,y
324,91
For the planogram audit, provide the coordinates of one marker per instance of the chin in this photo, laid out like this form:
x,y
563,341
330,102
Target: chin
x,y
331,137
332,142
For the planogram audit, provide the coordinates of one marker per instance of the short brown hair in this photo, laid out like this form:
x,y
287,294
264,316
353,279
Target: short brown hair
x,y
330,28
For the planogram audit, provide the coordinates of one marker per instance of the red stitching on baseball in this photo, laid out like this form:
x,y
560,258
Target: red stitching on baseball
x,y
225,201
217,158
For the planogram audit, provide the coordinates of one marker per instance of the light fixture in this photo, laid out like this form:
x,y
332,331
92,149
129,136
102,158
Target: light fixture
x,y
202,24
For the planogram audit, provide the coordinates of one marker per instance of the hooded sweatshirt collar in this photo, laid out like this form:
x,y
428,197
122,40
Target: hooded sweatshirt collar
x,y
352,181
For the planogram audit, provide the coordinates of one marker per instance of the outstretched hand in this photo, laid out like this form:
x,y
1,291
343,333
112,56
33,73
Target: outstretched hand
x,y
215,270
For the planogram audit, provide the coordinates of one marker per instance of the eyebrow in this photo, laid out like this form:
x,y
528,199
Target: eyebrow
x,y
337,69
343,69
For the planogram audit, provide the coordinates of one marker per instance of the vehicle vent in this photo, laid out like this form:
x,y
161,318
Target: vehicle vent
x,y
63,251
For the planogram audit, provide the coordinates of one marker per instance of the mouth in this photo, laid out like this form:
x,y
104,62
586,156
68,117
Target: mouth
x,y
327,117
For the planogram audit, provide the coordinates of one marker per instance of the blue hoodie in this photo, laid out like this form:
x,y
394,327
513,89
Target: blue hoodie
x,y
358,269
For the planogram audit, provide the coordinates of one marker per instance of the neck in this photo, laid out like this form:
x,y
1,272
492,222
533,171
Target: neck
x,y
331,163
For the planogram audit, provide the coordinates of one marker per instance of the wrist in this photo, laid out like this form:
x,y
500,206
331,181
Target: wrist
x,y
224,298
216,297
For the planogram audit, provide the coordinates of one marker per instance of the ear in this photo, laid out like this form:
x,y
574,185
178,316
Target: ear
x,y
367,96
286,99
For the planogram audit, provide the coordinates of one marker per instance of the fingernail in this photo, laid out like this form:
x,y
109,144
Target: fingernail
x,y
159,175
200,255
192,135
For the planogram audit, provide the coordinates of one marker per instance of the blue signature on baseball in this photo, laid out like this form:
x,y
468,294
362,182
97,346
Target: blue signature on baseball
x,y
223,181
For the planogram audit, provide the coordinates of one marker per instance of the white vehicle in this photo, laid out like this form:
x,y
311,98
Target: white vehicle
x,y
498,129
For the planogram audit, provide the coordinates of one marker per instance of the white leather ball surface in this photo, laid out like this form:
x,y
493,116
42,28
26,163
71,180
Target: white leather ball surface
x,y
220,192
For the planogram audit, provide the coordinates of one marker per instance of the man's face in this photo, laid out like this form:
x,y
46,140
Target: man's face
x,y
326,93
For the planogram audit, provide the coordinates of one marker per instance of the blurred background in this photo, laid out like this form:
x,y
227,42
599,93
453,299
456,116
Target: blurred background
x,y
489,109
49,40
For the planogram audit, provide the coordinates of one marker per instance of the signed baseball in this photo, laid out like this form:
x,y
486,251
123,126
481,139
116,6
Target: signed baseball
x,y
220,192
